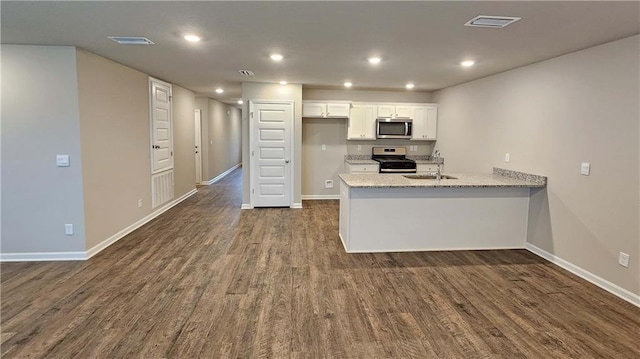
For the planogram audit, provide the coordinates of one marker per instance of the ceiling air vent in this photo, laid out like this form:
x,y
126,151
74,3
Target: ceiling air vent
x,y
492,21
131,40
246,73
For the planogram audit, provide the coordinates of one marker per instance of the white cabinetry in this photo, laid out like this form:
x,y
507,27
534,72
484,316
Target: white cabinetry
x,y
394,110
362,123
361,168
325,109
425,122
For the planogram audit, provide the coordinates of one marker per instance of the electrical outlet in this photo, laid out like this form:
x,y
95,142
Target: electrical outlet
x,y
328,184
324,147
623,259
140,203
359,147
507,157
68,229
585,168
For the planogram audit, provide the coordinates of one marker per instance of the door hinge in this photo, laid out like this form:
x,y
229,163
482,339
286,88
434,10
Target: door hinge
x,y
170,98
171,153
253,191
251,153
251,114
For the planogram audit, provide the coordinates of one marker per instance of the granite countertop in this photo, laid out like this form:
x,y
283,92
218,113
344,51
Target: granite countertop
x,y
499,178
426,162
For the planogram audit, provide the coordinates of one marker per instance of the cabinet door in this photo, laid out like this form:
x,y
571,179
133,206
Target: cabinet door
x,y
338,110
425,119
432,123
403,111
362,123
386,111
314,109
354,130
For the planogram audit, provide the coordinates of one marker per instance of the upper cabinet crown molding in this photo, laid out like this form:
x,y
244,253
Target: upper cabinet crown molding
x,y
324,109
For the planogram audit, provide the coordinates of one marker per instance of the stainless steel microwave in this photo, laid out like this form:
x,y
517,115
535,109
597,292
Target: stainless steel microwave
x,y
394,128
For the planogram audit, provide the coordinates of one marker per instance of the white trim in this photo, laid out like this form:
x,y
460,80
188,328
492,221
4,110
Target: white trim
x,y
246,206
307,197
42,256
498,248
109,241
586,275
296,205
220,176
78,256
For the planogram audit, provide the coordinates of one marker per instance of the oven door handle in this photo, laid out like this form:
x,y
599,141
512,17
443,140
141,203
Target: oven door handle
x,y
398,170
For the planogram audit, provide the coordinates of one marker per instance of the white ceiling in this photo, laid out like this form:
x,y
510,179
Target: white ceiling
x,y
324,43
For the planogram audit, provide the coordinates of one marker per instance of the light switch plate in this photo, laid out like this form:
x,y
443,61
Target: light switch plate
x,y
62,160
585,168
68,229
324,147
507,157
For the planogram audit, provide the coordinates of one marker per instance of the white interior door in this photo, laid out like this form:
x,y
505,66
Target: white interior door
x,y
271,166
198,144
161,140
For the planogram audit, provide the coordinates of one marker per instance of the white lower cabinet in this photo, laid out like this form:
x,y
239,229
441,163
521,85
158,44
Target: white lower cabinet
x,y
362,123
361,168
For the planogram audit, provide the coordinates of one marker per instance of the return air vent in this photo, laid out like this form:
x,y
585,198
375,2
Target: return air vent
x,y
492,21
131,40
246,73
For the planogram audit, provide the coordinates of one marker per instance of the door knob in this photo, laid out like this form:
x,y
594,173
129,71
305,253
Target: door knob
x,y
286,161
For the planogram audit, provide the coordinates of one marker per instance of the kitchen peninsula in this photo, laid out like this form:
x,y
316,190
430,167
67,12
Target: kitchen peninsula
x,y
393,213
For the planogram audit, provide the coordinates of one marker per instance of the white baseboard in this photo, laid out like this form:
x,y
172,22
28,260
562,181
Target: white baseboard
x,y
296,205
109,241
584,274
307,197
221,176
246,206
84,255
43,256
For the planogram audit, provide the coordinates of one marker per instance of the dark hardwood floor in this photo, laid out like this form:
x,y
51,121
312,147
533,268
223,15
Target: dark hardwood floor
x,y
208,280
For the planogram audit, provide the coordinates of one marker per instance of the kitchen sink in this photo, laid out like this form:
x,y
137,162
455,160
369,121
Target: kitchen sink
x,y
431,177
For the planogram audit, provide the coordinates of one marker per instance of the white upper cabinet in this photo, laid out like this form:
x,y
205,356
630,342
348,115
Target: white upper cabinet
x,y
362,123
393,110
325,110
425,122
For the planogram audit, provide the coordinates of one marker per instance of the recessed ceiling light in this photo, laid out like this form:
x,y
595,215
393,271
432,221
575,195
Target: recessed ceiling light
x,y
348,84
409,86
492,21
374,60
276,57
283,82
467,63
240,102
192,38
219,90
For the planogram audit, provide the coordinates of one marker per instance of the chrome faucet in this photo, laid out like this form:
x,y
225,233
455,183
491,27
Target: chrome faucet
x,y
438,161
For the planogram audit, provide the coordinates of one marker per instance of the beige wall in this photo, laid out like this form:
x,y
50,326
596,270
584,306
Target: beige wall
x,y
366,95
114,124
224,136
252,91
184,175
40,119
115,136
551,116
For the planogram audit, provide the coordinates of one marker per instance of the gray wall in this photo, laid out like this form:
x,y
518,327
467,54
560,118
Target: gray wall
x,y
252,91
551,116
184,175
40,119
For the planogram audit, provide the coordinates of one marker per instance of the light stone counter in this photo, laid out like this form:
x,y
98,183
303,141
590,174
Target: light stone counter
x,y
463,180
361,162
391,213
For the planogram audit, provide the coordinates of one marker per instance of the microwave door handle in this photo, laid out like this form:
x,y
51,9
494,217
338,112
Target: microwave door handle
x,y
406,128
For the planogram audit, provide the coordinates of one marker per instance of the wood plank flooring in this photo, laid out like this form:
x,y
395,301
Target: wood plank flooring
x,y
208,280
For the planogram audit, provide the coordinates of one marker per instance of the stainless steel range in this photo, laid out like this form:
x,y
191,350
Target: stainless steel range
x,y
393,160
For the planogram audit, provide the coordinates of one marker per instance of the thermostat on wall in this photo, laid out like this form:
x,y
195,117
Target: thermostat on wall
x,y
62,160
